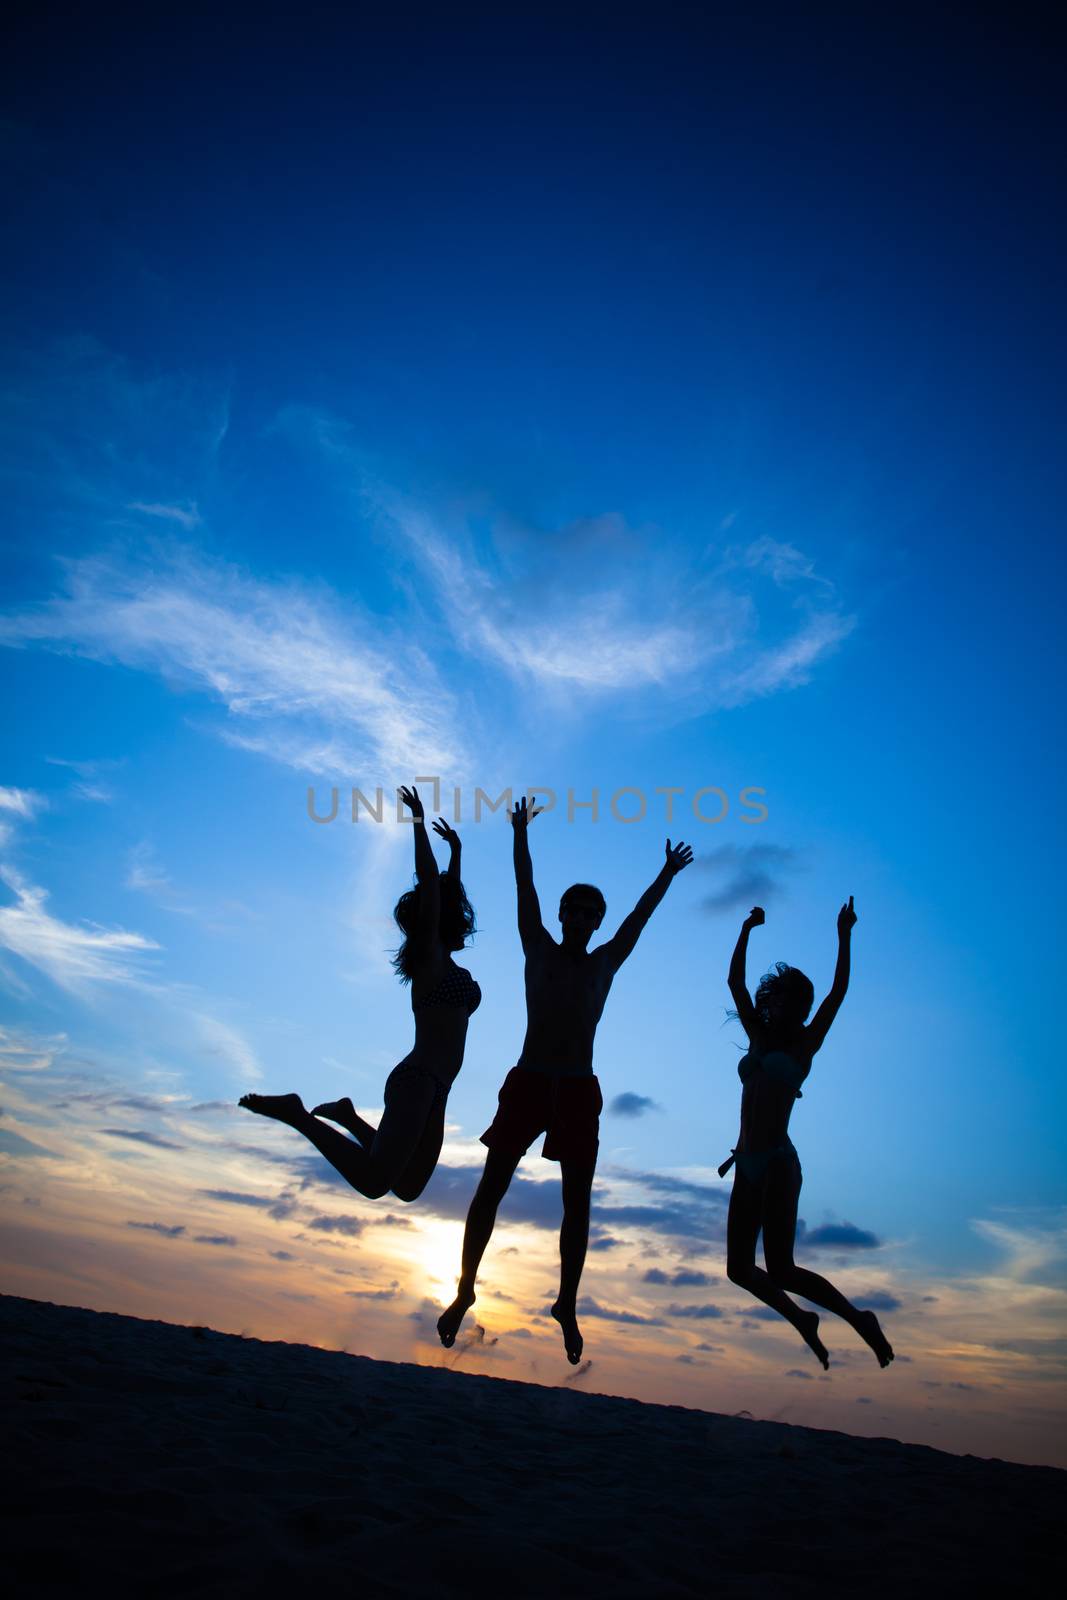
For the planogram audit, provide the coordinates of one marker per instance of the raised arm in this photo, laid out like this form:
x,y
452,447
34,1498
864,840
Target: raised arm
x,y
819,1025
455,848
746,1011
531,927
630,929
425,868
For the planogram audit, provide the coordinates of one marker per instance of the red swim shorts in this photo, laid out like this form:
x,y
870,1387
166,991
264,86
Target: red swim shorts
x,y
567,1109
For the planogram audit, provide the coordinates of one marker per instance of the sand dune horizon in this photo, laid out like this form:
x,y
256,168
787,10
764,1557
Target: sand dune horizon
x,y
161,1459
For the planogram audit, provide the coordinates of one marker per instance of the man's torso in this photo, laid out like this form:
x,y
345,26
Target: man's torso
x,y
565,996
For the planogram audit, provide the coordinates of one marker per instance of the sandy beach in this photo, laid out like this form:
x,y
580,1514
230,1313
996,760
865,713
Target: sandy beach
x,y
162,1460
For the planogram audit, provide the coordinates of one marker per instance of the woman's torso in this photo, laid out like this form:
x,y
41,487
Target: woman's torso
x,y
771,1076
443,999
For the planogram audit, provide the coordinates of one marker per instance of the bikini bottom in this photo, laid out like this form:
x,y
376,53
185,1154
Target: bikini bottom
x,y
755,1164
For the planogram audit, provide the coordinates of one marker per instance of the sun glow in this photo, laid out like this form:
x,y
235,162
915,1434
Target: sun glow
x,y
435,1256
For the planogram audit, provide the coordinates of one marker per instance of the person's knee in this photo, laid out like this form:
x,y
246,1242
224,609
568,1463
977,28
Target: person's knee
x,y
407,1191
374,1186
576,1213
780,1268
494,1184
741,1269
577,1196
577,1186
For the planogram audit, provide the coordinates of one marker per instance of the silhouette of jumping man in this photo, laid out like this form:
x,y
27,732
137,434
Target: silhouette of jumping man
x,y
401,1153
552,1089
767,1177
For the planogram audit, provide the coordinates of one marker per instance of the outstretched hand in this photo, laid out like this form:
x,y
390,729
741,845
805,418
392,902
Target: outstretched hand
x,y
755,917
846,918
444,831
410,798
522,815
678,857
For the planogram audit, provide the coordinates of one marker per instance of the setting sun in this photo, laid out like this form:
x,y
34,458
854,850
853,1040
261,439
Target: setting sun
x,y
434,1252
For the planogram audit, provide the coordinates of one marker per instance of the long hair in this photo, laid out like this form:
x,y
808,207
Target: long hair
x,y
455,924
783,1000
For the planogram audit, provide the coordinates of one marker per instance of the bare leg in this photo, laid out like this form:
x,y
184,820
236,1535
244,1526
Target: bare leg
x,y
345,1114
498,1173
420,1169
573,1243
742,1230
355,1164
779,1234
370,1172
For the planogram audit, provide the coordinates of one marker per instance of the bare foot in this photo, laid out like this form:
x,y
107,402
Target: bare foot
x,y
808,1328
870,1330
573,1342
287,1108
341,1111
448,1322
345,1114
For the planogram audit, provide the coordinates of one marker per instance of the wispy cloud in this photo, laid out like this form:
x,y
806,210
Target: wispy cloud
x,y
588,1307
577,625
305,678
224,1041
89,784
232,1197
71,955
15,1144
788,664
600,607
19,804
94,791
141,1136
144,872
597,606
112,1099
188,516
27,1052
783,563
1027,1250
147,875
325,685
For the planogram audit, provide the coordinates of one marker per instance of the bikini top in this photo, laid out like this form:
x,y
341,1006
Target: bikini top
x,y
776,1064
457,988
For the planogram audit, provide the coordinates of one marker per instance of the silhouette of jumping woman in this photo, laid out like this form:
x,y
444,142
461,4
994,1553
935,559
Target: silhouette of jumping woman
x,y
553,1090
401,1153
767,1177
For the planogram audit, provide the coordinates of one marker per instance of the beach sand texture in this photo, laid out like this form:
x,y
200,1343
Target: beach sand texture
x,y
149,1459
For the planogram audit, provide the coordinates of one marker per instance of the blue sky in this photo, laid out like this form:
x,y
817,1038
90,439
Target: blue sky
x,y
591,401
